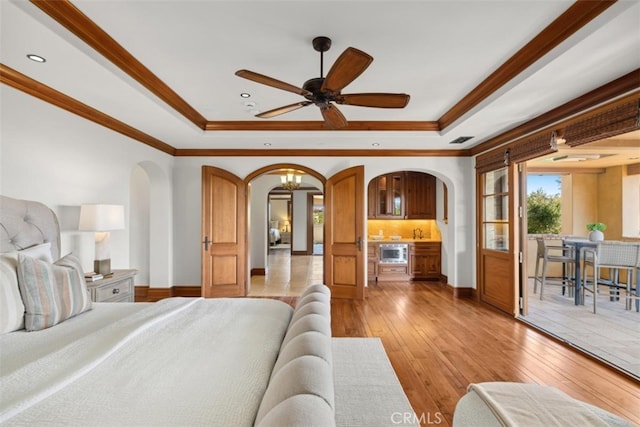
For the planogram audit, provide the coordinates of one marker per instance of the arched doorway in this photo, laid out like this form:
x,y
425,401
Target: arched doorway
x,y
228,222
281,231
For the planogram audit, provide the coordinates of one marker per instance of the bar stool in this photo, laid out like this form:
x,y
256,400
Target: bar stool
x,y
558,254
616,257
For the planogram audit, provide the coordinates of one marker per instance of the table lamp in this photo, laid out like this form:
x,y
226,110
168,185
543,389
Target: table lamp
x,y
102,219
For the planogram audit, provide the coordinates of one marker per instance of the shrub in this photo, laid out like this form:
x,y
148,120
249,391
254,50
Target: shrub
x,y
543,213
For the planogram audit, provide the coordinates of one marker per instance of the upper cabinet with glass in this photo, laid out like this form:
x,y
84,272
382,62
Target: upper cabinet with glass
x,y
402,195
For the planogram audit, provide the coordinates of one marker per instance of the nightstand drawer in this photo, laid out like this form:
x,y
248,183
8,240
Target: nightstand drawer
x,y
116,288
115,291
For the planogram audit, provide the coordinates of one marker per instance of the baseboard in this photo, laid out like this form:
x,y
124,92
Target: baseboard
x,y
258,272
148,294
186,291
462,292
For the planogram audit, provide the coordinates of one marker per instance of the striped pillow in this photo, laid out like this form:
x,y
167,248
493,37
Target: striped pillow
x,y
51,292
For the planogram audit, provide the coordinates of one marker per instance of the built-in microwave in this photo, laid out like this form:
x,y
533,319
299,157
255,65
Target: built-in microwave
x,y
394,253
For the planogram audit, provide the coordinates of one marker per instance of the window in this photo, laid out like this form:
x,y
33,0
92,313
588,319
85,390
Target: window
x,y
495,221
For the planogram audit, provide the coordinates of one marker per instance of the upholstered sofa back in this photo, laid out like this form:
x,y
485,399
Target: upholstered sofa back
x,y
301,388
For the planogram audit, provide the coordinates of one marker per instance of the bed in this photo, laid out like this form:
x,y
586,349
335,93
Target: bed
x,y
274,233
181,361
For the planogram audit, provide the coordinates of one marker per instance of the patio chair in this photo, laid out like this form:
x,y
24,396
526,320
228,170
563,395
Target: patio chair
x,y
616,257
558,254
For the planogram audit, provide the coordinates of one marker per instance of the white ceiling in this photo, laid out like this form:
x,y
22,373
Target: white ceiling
x,y
436,51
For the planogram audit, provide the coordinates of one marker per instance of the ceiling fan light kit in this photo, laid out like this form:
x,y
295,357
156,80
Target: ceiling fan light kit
x,y
325,92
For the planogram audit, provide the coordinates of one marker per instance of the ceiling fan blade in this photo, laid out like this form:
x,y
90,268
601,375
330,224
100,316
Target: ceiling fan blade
x,y
349,65
380,100
282,110
333,118
269,81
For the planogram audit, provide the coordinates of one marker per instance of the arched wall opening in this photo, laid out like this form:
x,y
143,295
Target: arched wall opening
x,y
446,194
150,225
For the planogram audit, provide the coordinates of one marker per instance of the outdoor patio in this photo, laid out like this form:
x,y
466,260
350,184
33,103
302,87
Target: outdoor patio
x,y
612,335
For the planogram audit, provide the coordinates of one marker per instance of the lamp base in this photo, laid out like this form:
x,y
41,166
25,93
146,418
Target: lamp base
x,y
102,266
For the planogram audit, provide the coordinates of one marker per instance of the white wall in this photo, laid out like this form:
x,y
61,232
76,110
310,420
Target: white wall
x,y
62,160
456,172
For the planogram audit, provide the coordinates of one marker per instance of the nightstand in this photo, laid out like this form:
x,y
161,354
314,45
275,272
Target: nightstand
x,y
285,237
117,287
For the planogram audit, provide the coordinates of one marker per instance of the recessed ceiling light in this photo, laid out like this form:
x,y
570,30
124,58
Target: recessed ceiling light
x,y
36,58
267,144
245,95
375,144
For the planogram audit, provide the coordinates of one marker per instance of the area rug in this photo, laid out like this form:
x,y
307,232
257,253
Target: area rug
x,y
367,389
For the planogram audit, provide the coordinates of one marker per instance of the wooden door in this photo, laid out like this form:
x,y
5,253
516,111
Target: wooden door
x,y
344,233
496,255
223,234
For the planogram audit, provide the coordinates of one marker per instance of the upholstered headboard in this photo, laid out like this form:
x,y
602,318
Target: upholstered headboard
x,y
25,223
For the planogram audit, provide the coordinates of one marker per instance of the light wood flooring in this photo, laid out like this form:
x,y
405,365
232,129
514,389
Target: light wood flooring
x,y
439,344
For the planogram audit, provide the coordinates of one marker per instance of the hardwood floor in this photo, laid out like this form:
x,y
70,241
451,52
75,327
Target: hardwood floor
x,y
439,344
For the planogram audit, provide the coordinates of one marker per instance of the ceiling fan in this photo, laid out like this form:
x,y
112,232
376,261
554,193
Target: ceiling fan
x,y
325,91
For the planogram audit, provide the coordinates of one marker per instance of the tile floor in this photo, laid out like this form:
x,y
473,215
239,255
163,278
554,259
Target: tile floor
x,y
613,334
287,275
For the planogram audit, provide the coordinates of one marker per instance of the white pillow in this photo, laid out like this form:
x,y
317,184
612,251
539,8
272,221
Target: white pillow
x,y
11,305
41,252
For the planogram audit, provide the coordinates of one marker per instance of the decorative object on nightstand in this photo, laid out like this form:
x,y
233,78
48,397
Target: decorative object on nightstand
x,y
102,219
118,287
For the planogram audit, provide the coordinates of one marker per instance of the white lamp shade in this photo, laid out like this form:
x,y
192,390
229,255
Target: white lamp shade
x,y
101,217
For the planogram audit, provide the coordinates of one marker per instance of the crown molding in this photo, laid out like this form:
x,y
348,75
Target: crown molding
x,y
288,125
204,152
26,84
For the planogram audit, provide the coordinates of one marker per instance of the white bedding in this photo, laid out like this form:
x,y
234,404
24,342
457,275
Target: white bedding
x,y
274,235
127,364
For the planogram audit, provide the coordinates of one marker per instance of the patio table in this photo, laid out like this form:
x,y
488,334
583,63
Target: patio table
x,y
577,245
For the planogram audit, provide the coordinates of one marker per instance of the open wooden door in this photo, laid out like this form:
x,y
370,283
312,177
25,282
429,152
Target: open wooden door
x,y
344,233
223,234
497,258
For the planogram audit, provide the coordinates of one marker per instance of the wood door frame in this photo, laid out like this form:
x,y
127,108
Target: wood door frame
x,y
310,196
523,241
